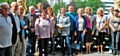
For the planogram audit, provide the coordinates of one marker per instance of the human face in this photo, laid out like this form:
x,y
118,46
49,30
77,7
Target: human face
x,y
70,9
88,11
100,12
20,11
32,11
43,15
80,11
40,7
14,7
5,10
63,10
50,12
112,9
116,13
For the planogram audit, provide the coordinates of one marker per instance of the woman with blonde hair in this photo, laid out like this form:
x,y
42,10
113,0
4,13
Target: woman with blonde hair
x,y
80,28
89,27
100,23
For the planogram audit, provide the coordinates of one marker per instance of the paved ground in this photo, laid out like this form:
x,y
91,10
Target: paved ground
x,y
93,54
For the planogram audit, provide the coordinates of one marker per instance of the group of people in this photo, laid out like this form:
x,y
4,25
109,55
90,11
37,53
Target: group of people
x,y
43,26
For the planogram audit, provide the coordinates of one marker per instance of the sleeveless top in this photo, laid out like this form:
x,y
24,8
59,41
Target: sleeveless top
x,y
115,23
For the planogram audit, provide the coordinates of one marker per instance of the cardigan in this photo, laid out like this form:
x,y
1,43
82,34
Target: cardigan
x,y
76,23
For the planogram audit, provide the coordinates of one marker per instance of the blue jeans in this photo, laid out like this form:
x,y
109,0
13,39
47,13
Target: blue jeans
x,y
115,39
80,39
67,40
52,43
6,51
111,36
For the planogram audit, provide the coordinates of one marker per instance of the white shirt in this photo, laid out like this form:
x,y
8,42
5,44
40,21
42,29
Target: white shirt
x,y
80,24
17,21
5,31
100,22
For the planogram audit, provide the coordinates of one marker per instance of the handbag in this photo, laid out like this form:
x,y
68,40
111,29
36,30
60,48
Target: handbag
x,y
75,46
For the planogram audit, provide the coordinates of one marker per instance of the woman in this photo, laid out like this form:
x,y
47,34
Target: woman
x,y
53,19
100,23
43,31
63,24
115,26
80,28
89,27
24,26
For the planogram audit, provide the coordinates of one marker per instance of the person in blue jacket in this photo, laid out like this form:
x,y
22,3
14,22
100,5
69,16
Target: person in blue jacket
x,y
80,29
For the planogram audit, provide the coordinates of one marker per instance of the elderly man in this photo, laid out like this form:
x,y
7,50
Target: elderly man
x,y
39,10
16,34
32,39
5,31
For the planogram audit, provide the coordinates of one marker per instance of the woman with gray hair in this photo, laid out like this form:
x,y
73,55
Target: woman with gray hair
x,y
5,31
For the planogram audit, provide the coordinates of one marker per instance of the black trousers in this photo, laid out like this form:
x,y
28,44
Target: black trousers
x,y
6,51
43,44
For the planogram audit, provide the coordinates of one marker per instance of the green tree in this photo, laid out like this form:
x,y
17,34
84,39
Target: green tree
x,y
57,7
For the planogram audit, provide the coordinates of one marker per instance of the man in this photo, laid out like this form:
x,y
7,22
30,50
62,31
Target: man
x,y
110,15
5,31
39,10
71,14
16,34
32,38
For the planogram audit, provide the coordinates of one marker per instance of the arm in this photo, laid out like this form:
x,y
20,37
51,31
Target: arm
x,y
84,26
51,29
37,32
68,23
105,22
110,24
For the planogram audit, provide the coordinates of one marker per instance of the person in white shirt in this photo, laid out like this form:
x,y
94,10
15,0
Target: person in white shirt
x,y
17,35
5,31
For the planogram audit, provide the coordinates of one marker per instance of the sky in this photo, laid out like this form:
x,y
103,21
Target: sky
x,y
66,1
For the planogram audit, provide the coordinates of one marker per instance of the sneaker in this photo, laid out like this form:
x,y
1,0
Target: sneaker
x,y
110,51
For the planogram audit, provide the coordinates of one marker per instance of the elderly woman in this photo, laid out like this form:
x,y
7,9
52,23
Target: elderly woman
x,y
24,26
5,31
89,27
100,23
43,30
80,28
115,26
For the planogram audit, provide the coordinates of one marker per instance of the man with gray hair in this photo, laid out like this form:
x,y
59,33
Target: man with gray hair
x,y
16,30
5,31
32,39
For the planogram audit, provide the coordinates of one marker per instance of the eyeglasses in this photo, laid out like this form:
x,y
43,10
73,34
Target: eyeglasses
x,y
6,8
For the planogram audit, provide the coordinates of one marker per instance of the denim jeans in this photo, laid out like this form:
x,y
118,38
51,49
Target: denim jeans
x,y
80,39
115,39
52,43
111,36
67,41
6,51
31,44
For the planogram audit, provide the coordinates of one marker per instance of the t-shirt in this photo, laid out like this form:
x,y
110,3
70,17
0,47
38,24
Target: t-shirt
x,y
80,24
23,24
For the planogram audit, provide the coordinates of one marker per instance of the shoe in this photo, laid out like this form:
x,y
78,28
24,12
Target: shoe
x,y
53,53
73,54
110,51
90,52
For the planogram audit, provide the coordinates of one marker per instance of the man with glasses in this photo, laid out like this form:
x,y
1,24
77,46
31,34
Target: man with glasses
x,y
5,31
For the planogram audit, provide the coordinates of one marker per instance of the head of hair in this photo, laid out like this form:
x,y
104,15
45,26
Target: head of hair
x,y
2,4
116,10
100,9
79,9
21,7
31,7
40,4
86,8
13,3
49,8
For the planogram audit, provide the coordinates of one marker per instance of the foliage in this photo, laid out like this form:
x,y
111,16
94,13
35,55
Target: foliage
x,y
57,7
